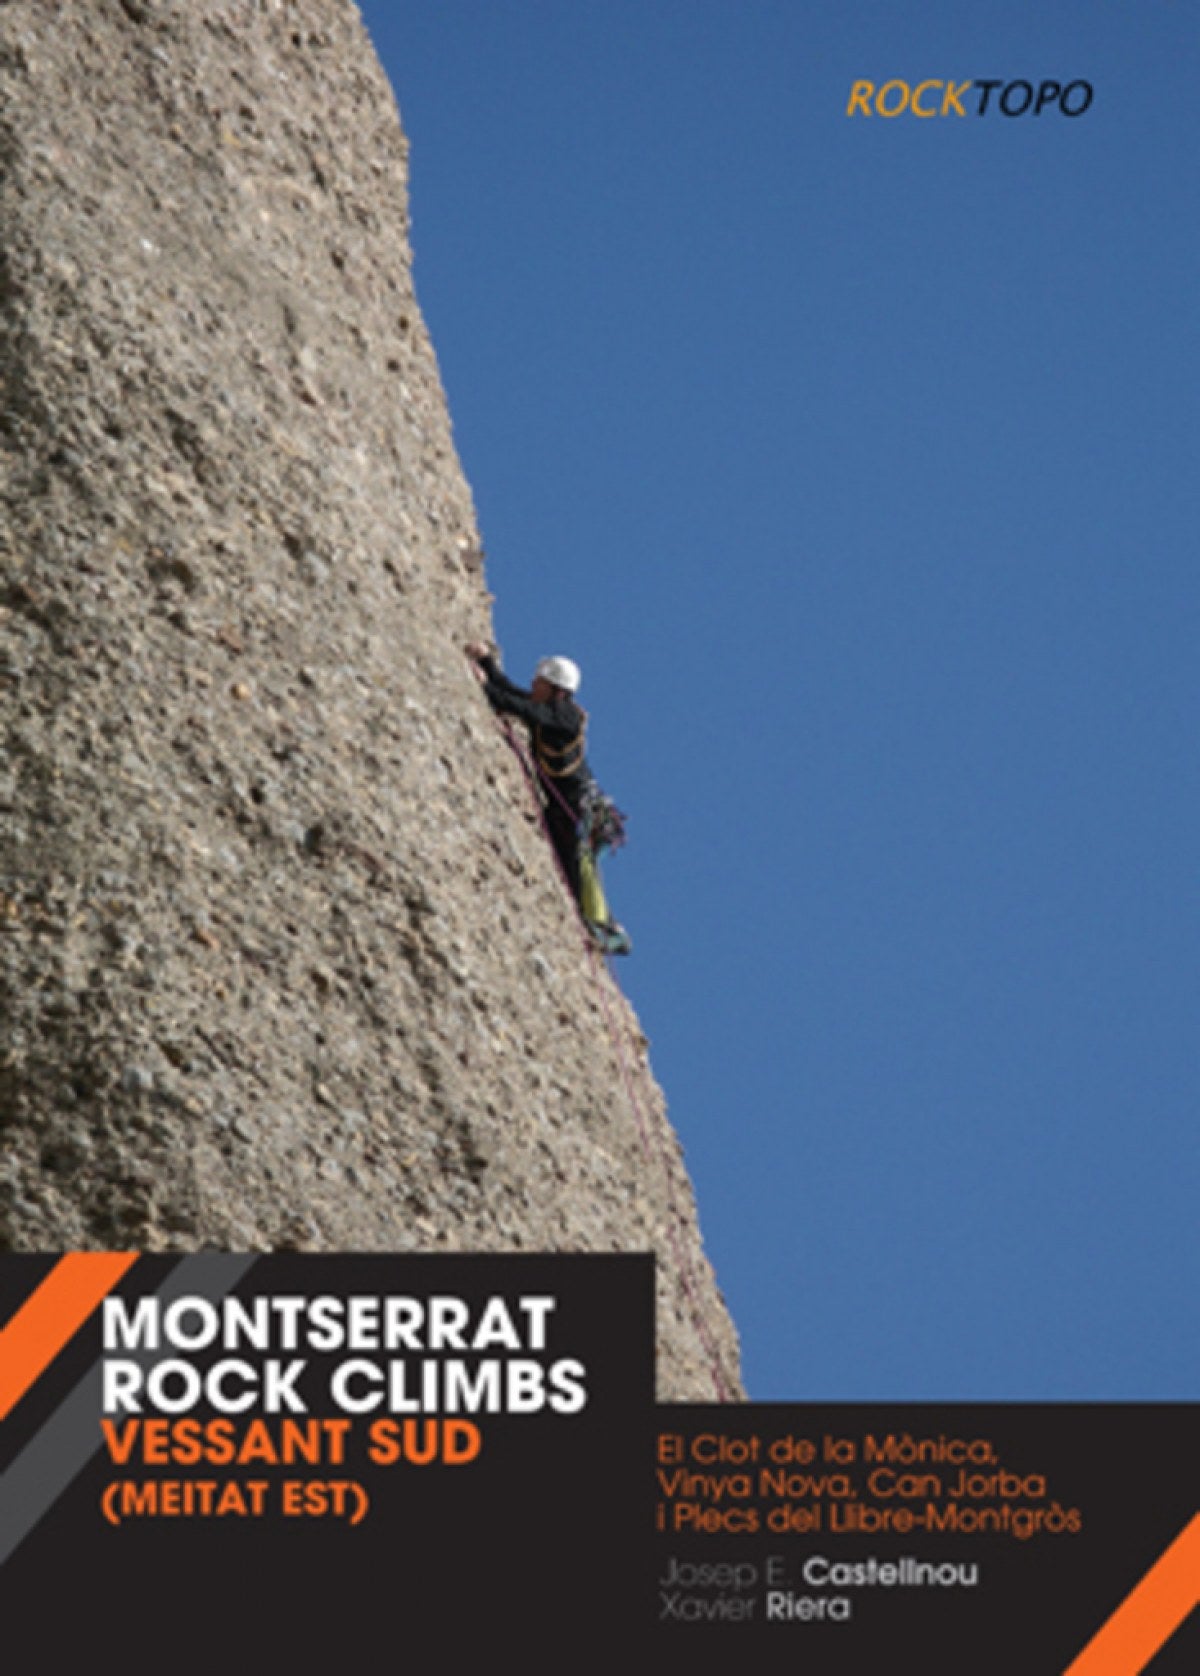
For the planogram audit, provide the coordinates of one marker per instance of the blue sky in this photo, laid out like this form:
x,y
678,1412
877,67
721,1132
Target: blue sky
x,y
854,460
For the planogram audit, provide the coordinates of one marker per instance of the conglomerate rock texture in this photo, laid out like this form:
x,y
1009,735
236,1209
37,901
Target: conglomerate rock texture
x,y
284,960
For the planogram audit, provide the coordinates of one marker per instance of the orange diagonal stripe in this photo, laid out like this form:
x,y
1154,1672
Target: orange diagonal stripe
x,y
53,1315
1147,1618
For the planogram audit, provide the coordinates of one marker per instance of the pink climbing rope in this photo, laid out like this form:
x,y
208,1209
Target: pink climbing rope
x,y
682,1266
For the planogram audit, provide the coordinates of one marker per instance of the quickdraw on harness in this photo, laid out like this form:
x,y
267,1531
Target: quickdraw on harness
x,y
602,825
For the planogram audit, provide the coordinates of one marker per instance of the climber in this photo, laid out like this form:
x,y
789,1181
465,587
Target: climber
x,y
570,796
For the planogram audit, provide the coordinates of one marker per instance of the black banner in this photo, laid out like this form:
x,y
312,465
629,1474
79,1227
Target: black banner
x,y
309,1458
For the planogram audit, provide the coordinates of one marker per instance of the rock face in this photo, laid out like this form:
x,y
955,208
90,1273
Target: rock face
x,y
284,960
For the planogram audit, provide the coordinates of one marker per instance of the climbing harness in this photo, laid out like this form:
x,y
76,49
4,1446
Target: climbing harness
x,y
560,762
682,1268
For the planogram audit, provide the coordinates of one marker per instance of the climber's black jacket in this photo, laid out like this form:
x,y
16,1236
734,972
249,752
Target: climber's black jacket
x,y
557,731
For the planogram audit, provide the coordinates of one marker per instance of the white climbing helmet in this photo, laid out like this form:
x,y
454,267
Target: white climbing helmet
x,y
560,672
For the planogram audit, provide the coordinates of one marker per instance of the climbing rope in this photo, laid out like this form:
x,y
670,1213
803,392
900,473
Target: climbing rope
x,y
682,1267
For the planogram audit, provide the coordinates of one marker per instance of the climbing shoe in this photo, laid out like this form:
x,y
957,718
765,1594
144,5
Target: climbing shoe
x,y
609,938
